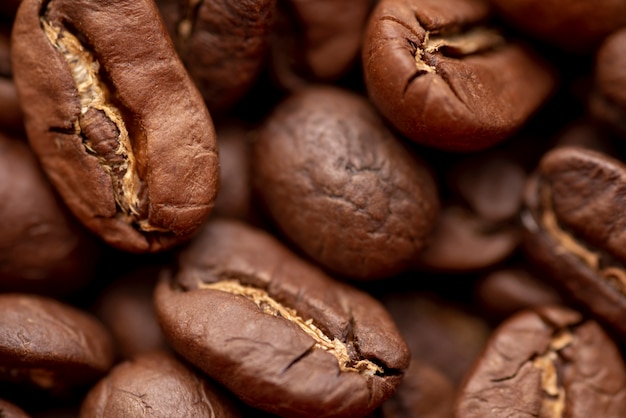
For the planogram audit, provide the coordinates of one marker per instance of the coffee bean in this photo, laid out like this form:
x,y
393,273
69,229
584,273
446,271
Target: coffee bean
x,y
9,410
118,125
324,153
275,330
158,384
608,101
548,362
51,345
574,228
447,79
316,41
43,249
575,26
224,45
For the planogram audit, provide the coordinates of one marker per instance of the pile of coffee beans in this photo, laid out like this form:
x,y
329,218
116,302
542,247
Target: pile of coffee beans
x,y
297,208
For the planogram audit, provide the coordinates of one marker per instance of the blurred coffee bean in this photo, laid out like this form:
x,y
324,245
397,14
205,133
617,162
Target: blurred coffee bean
x,y
125,307
577,26
608,101
43,249
9,410
439,333
503,292
316,41
425,392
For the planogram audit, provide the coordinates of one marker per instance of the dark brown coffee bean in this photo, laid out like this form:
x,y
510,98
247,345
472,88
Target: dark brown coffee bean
x,y
11,117
458,233
608,101
482,198
325,154
446,79
235,197
158,385
316,41
51,345
587,133
425,392
275,330
117,123
549,362
9,410
577,26
574,228
125,308
503,292
42,247
224,44
438,332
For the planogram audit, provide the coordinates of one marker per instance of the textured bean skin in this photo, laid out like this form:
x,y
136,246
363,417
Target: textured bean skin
x,y
130,148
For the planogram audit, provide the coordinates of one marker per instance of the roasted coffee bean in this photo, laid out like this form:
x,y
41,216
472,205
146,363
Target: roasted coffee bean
x,y
425,392
502,292
445,78
438,332
159,385
574,228
51,345
482,198
548,362
224,44
235,198
325,153
11,118
316,41
275,330
43,249
608,101
9,410
576,26
115,120
125,307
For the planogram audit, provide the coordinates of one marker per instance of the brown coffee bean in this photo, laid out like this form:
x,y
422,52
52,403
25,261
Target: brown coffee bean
x,y
42,247
576,26
458,233
574,228
608,101
9,410
117,123
235,197
125,307
316,41
549,362
275,330
224,45
325,154
425,392
156,384
48,344
510,289
482,198
439,333
445,78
